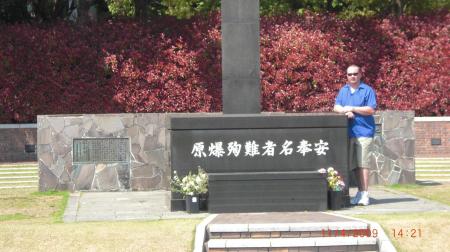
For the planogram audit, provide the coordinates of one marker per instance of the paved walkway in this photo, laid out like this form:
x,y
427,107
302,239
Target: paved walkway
x,y
154,205
119,206
383,200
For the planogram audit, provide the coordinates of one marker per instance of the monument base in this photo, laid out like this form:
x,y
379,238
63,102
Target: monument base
x,y
267,192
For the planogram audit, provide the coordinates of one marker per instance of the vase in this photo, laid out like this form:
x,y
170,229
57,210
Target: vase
x,y
192,203
203,202
334,200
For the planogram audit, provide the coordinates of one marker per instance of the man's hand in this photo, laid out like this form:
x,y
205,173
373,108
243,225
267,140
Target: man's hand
x,y
366,110
349,115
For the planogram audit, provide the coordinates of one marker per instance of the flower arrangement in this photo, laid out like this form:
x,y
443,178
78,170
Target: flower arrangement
x,y
335,181
191,184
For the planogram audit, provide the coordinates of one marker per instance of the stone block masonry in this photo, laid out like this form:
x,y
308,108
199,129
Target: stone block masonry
x,y
392,159
149,165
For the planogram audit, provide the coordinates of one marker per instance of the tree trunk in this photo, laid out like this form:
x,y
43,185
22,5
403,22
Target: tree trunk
x,y
92,10
399,8
141,9
83,11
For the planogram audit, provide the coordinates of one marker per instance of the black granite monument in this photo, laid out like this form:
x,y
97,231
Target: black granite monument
x,y
256,162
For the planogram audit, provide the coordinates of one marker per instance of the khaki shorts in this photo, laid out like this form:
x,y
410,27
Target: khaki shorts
x,y
360,150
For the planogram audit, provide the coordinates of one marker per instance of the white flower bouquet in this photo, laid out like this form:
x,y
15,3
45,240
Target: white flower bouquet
x,y
191,184
335,181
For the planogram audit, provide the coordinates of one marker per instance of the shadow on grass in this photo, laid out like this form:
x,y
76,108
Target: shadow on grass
x,y
427,183
391,200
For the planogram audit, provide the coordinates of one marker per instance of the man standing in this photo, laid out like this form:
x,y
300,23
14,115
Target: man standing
x,y
357,101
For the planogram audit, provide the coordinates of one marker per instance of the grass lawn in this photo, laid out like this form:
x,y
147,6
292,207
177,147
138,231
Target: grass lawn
x,y
434,227
434,230
31,221
437,192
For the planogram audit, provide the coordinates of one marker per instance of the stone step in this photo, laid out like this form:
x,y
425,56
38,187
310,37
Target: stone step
x,y
432,159
29,164
17,187
294,244
18,172
17,177
432,166
432,180
290,230
18,181
433,175
286,227
432,170
18,168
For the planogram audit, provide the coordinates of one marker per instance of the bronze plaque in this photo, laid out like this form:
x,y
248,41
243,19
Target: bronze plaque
x,y
101,150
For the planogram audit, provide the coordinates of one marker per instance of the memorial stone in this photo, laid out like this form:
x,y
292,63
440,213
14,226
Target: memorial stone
x,y
255,162
259,162
240,57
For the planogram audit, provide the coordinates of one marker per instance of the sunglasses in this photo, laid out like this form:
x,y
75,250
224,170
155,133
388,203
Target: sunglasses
x,y
352,74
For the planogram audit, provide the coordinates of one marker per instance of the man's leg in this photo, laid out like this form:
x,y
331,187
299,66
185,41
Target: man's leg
x,y
363,179
364,149
355,169
356,172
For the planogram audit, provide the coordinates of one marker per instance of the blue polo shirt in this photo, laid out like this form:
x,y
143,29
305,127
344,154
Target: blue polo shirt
x,y
360,125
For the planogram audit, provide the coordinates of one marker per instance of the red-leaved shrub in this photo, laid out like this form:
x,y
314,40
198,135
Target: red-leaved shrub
x,y
169,65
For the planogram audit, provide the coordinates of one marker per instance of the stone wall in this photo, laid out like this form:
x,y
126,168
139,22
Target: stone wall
x,y
392,160
13,139
149,167
432,136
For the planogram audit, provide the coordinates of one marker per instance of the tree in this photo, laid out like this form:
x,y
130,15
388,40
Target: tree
x,y
189,8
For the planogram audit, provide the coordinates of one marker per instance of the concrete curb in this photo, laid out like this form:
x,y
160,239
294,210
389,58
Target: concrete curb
x,y
70,214
200,231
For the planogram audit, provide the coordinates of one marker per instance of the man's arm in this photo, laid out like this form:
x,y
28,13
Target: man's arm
x,y
365,110
350,111
339,109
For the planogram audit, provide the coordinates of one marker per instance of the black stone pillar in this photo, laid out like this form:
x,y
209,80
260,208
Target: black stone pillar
x,y
240,57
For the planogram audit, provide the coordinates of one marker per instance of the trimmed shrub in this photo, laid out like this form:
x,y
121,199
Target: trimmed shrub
x,y
172,65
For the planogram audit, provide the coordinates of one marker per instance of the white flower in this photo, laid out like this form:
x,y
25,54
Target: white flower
x,y
322,170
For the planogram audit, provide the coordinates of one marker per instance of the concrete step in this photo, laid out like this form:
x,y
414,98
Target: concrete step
x,y
18,172
431,172
290,232
433,166
315,236
433,175
434,161
18,182
17,187
293,244
26,164
432,180
433,169
425,169
17,177
18,169
316,228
